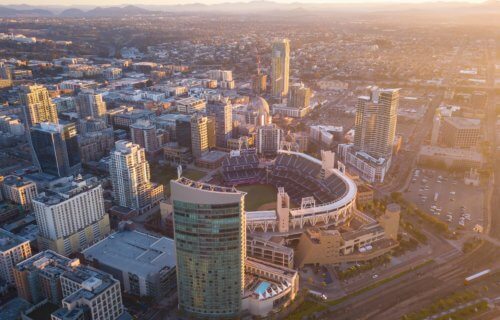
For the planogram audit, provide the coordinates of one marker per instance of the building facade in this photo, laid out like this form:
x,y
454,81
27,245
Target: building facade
x,y
19,191
209,224
280,68
199,135
143,133
269,139
39,105
222,112
375,123
90,104
130,176
71,216
56,148
13,249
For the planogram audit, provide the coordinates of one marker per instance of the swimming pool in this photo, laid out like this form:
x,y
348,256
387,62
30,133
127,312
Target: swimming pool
x,y
262,287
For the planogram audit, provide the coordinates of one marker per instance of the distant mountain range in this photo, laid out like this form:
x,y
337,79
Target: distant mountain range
x,y
240,7
31,11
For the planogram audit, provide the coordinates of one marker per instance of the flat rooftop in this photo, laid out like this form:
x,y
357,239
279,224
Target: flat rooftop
x,y
9,240
464,123
135,252
213,156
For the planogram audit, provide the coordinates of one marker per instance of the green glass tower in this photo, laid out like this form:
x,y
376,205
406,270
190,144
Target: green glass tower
x,y
209,225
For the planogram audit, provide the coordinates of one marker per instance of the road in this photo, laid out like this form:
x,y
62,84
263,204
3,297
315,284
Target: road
x,y
406,160
416,289
412,292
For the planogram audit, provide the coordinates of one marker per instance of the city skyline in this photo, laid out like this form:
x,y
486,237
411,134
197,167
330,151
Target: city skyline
x,y
215,2
228,159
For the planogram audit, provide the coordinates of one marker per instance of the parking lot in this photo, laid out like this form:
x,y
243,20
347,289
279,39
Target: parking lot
x,y
447,197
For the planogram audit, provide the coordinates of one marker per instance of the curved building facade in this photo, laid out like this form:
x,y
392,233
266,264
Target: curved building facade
x,y
209,225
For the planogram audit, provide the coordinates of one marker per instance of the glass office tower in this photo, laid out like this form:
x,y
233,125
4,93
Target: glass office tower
x,y
209,225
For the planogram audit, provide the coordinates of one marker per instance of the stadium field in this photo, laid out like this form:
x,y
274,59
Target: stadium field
x,y
258,195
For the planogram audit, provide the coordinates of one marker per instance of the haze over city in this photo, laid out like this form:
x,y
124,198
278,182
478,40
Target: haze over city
x,y
178,160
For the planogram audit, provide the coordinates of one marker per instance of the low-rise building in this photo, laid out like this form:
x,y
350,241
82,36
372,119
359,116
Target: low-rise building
x,y
144,264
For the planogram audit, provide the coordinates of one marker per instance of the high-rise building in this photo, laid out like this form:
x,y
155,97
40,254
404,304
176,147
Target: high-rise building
x,y
280,68
211,132
56,148
456,132
269,139
5,72
5,76
375,124
39,105
95,140
183,132
90,104
82,292
19,191
130,176
71,216
13,249
259,83
300,96
223,115
223,77
143,133
210,236
199,135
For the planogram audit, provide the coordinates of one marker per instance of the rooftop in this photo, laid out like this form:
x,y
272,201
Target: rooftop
x,y
463,123
9,240
16,181
133,251
92,281
61,192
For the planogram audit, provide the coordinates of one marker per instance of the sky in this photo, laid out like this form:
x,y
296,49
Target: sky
x,y
170,2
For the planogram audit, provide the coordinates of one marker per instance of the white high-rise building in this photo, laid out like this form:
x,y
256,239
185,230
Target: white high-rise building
x,y
269,139
280,68
71,216
130,177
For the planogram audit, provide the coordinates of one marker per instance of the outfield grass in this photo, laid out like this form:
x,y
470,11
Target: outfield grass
x,y
163,175
258,195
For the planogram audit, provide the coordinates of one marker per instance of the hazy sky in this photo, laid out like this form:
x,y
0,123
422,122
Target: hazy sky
x,y
167,2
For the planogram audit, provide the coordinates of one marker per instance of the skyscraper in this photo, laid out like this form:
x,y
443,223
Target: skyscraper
x,y
144,134
375,124
280,68
269,139
223,115
90,104
259,83
130,176
56,148
199,135
71,216
300,96
210,238
39,106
